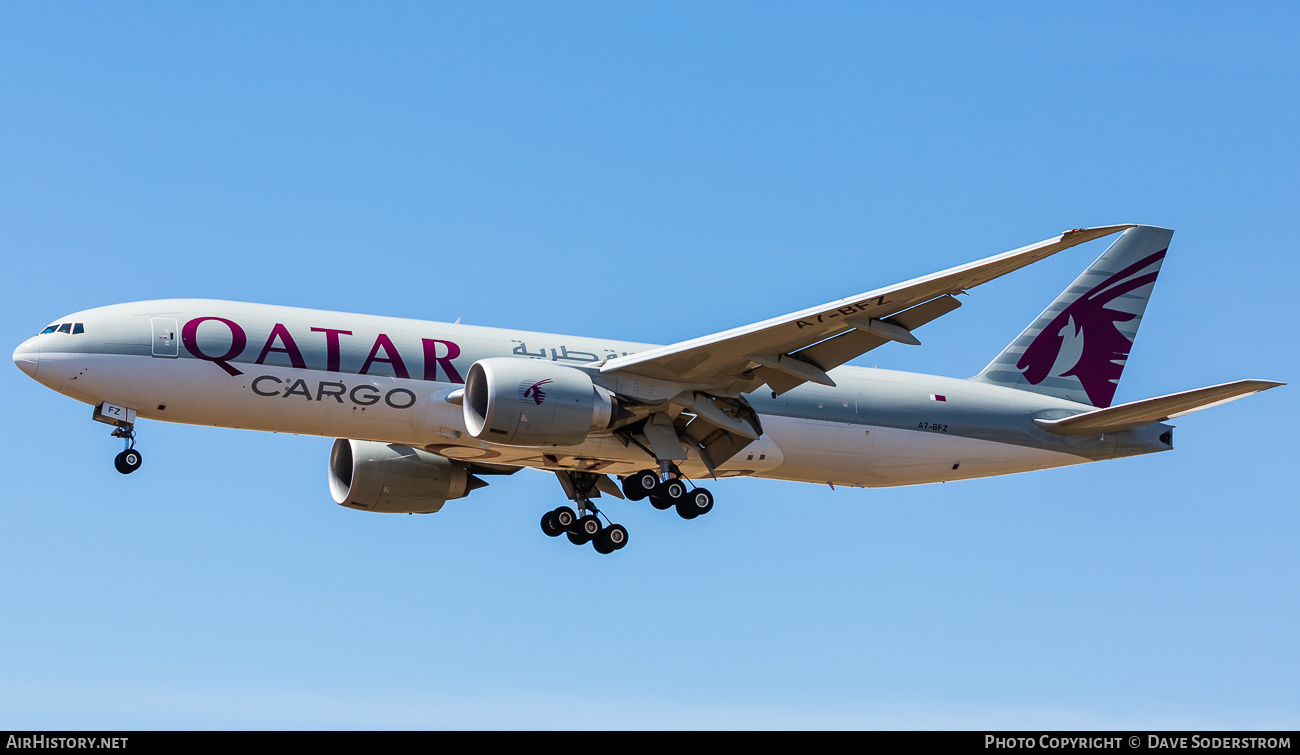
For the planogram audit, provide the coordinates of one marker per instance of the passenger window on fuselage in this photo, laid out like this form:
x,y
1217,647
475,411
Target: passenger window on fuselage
x,y
65,327
78,328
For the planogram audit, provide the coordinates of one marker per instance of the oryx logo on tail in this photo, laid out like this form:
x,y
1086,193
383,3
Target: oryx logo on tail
x,y
1077,348
1104,348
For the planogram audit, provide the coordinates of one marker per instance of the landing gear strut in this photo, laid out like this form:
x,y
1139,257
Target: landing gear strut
x,y
129,460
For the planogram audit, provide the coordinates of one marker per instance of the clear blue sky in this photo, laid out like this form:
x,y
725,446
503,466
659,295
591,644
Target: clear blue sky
x,y
651,172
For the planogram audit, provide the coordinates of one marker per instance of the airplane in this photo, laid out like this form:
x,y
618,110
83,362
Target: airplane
x,y
423,411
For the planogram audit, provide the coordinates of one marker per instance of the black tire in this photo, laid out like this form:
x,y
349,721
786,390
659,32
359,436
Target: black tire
x,y
700,501
549,526
671,490
585,530
640,485
685,510
565,519
616,536
602,545
128,461
663,504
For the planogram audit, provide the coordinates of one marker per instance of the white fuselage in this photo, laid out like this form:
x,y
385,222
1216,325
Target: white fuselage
x,y
364,377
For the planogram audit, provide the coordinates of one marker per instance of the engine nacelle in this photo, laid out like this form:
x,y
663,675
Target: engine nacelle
x,y
394,479
529,402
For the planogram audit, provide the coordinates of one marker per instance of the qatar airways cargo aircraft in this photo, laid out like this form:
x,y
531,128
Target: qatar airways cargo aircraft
x,y
425,410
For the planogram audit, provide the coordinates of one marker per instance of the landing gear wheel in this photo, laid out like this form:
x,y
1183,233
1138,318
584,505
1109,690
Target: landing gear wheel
x,y
698,503
610,539
128,461
616,536
673,490
667,494
549,526
588,529
702,499
640,485
564,518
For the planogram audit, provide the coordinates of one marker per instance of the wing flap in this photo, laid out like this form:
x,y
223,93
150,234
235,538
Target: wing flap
x,y
779,382
1144,412
839,349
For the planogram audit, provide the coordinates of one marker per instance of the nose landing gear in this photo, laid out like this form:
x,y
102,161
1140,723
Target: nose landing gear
x,y
130,459
123,422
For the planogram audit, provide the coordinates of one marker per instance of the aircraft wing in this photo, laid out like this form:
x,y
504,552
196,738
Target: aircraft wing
x,y
787,351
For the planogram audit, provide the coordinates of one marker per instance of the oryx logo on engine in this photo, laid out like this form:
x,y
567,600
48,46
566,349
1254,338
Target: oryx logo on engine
x,y
533,391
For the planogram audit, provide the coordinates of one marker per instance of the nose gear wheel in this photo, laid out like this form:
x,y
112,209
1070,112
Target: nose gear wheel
x,y
128,461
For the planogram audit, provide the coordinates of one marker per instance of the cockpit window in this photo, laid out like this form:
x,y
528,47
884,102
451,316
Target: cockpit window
x,y
71,328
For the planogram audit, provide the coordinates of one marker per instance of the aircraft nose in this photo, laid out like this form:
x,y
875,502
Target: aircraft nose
x,y
27,357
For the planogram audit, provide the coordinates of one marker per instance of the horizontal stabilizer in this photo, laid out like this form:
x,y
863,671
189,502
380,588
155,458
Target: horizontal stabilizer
x,y
1147,411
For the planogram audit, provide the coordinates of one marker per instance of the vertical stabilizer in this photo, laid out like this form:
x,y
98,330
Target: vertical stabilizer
x,y
1077,348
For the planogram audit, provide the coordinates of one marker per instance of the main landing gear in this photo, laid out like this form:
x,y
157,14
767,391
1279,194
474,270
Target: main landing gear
x,y
669,492
584,525
585,529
